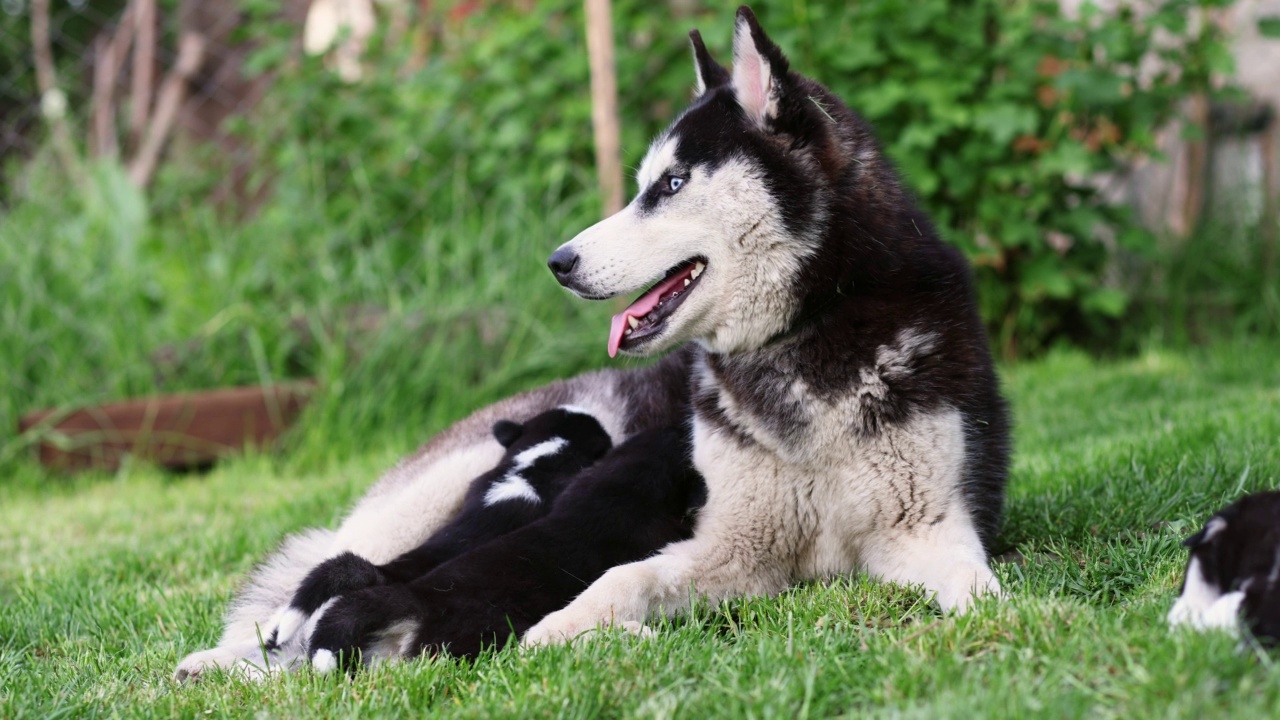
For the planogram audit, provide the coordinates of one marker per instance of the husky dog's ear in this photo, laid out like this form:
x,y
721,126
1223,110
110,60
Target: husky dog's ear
x,y
708,73
759,69
507,432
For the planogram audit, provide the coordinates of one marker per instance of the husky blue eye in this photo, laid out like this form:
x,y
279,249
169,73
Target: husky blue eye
x,y
674,183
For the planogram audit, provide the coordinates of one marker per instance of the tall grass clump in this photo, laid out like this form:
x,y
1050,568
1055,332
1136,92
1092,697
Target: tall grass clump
x,y
1223,280
77,299
102,300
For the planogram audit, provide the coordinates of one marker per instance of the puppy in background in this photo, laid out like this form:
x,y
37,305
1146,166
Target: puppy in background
x,y
1233,574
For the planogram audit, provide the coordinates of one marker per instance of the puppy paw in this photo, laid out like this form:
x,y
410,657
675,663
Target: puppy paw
x,y
324,661
337,576
1223,614
1183,612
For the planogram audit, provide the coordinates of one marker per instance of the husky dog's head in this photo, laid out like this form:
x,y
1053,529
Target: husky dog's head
x,y
733,203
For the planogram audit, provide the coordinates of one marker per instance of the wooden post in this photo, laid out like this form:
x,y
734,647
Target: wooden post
x,y
1270,196
107,60
144,60
604,104
173,93
53,101
1197,169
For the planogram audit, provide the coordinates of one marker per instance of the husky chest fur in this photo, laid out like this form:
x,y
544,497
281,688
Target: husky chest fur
x,y
846,411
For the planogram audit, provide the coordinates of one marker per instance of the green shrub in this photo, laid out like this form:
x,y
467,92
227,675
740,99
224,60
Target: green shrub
x,y
998,112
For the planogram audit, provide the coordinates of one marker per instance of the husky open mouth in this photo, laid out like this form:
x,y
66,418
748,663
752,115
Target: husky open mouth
x,y
644,318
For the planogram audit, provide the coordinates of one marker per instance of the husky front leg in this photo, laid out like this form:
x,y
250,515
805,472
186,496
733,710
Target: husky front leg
x,y
664,584
746,542
923,530
947,559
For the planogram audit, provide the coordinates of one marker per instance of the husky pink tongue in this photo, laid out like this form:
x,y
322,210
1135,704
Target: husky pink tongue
x,y
641,307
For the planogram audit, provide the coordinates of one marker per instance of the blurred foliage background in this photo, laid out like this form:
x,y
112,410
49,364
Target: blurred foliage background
x,y
386,234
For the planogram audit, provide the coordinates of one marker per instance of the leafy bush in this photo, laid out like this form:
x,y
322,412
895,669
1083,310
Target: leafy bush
x,y
998,111
499,106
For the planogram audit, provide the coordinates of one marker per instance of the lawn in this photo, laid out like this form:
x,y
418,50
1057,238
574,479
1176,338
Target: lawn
x,y
105,582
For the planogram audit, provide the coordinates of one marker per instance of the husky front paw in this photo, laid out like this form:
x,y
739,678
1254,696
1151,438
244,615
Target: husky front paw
x,y
968,585
555,631
638,629
339,575
247,662
563,626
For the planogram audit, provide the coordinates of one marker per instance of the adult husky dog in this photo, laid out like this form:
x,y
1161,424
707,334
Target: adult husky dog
x,y
845,411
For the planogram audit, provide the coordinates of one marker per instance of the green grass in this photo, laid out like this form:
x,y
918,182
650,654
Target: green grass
x,y
381,200
105,582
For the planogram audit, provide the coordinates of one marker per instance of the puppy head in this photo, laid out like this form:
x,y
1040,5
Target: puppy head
x,y
566,430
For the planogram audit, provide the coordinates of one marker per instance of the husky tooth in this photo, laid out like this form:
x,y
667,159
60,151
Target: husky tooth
x,y
634,323
697,270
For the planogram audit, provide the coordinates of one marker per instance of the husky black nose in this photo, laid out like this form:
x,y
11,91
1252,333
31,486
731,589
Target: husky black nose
x,y
562,262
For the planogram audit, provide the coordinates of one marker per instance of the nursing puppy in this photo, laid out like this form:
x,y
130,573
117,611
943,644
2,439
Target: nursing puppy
x,y
1233,572
627,506
543,454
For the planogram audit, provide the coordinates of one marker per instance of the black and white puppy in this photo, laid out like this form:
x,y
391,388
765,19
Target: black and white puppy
x,y
627,506
1234,570
542,456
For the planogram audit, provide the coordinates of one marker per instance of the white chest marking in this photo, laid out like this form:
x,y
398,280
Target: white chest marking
x,y
1198,595
515,487
528,457
511,487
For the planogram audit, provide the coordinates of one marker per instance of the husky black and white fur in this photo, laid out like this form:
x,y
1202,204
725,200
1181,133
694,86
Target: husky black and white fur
x,y
639,498
1233,572
845,411
542,456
